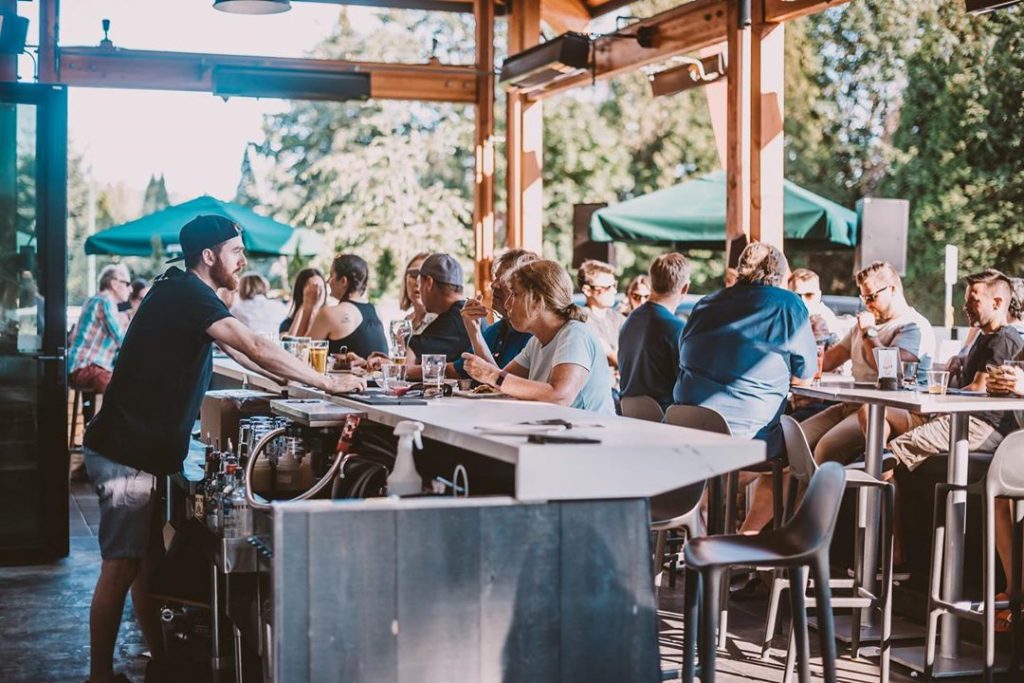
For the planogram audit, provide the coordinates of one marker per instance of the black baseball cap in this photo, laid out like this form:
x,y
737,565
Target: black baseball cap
x,y
443,268
205,232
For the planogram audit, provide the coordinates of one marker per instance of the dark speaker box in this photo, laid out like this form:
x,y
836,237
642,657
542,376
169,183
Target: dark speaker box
x,y
13,31
883,232
582,247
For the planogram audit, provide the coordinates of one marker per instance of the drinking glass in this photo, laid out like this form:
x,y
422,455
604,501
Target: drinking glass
x,y
290,346
303,350
910,373
318,355
401,330
433,365
937,381
392,377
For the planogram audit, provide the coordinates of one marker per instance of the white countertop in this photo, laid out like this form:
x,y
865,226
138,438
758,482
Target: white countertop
x,y
917,401
635,458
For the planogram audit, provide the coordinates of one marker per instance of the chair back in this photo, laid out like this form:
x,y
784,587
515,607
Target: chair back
x,y
815,519
801,460
641,408
697,417
1006,472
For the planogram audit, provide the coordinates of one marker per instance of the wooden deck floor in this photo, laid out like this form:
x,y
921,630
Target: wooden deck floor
x,y
44,614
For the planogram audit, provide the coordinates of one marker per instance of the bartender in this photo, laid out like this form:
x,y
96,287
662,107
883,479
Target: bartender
x,y
144,426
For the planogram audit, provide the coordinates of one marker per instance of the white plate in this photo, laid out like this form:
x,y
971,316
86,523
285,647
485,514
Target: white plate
x,y
519,429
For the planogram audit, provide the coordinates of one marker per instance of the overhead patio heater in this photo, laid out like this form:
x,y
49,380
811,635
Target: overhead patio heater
x,y
692,74
567,55
299,84
983,6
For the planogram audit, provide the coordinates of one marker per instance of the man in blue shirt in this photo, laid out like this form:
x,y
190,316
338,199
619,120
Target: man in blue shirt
x,y
649,339
741,349
498,343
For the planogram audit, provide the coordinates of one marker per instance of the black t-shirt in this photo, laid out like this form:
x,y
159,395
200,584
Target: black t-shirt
x,y
995,349
447,335
161,375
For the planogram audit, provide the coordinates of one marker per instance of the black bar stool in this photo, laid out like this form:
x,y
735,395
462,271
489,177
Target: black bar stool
x,y
799,545
802,468
87,401
1005,479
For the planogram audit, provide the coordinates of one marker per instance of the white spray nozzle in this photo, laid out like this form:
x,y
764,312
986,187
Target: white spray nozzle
x,y
410,428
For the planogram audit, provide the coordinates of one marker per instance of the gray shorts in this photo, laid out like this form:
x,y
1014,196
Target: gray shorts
x,y
127,506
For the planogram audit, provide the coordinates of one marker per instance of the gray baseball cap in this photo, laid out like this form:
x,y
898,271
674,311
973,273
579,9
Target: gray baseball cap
x,y
443,268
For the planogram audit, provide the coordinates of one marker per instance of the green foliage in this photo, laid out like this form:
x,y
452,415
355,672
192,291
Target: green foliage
x,y
156,197
386,272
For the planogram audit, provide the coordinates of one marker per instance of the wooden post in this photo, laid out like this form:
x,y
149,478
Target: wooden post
x,y
767,98
9,63
524,139
483,185
737,167
48,36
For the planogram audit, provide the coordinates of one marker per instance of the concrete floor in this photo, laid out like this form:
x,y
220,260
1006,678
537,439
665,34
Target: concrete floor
x,y
44,635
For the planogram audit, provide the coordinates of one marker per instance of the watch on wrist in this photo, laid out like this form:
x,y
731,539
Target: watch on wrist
x,y
501,378
871,332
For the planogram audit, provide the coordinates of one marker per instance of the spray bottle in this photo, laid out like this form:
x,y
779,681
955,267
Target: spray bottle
x,y
404,480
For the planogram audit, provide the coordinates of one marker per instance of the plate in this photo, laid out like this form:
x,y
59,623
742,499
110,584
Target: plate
x,y
518,429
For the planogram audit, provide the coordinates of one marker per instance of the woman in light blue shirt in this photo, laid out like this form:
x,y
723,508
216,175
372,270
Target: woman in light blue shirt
x,y
563,363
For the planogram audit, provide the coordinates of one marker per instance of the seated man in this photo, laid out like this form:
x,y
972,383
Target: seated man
x,y
807,285
743,345
889,321
649,339
987,303
596,280
499,342
100,332
440,282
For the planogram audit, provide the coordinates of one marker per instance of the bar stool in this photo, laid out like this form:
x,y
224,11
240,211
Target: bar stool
x,y
1005,479
87,400
802,468
799,545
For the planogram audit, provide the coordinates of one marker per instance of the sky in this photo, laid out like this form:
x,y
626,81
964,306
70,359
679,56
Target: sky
x,y
196,140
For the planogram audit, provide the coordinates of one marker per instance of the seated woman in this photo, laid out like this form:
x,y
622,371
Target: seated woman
x,y
252,307
353,323
308,297
411,300
563,363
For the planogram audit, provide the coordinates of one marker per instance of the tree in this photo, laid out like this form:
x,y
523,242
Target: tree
x,y
247,192
156,197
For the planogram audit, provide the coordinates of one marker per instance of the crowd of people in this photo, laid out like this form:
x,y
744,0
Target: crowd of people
x,y
739,352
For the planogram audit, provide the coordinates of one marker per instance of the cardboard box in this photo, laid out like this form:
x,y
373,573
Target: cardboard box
x,y
222,409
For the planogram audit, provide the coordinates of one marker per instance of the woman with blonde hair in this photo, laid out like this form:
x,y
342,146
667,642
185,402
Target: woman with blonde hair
x,y
252,307
563,363
419,317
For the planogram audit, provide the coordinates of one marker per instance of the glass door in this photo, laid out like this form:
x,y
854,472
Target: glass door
x,y
33,323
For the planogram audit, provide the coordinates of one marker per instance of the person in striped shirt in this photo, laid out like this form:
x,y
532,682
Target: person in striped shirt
x,y
99,333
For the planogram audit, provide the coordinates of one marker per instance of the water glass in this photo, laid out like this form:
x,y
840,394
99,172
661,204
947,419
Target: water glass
x,y
937,382
392,377
433,365
910,373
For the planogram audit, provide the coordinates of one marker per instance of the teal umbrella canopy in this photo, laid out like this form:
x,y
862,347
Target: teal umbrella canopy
x,y
693,213
262,236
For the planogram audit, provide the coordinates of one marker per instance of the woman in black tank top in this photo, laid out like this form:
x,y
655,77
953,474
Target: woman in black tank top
x,y
353,323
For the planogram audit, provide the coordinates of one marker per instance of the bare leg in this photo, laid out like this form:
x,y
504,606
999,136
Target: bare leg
x,y
761,511
116,576
1004,536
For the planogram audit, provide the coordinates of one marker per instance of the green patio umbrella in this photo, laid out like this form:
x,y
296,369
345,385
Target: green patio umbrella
x,y
262,236
693,213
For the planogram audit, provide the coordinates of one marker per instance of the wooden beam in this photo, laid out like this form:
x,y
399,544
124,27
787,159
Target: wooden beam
x,y
779,11
150,70
524,138
49,10
767,98
560,15
9,63
686,28
483,184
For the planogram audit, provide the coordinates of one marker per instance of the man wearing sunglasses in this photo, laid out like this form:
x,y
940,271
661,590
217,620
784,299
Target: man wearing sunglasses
x,y
100,331
596,280
888,322
807,285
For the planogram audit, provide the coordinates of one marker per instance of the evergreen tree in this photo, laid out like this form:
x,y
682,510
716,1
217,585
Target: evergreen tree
x,y
247,193
156,197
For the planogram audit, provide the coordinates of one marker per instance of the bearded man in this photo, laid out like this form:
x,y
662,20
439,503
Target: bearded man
x,y
142,431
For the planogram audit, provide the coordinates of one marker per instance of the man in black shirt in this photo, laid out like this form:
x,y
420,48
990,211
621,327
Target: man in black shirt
x,y
987,303
440,282
144,426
